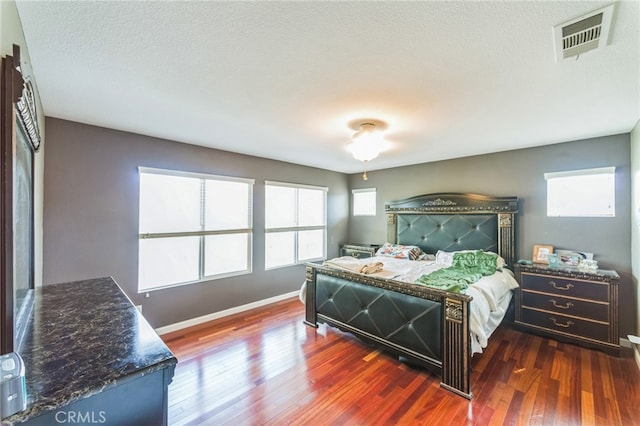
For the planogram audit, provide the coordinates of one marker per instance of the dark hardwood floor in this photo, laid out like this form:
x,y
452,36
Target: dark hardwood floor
x,y
265,367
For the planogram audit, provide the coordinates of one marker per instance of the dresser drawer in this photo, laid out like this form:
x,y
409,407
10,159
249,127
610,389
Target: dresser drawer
x,y
567,306
358,251
566,287
567,325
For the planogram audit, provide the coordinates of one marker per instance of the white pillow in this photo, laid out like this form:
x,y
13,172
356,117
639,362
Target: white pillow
x,y
444,257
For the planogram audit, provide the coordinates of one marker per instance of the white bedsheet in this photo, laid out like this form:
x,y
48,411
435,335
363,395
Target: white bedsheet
x,y
491,294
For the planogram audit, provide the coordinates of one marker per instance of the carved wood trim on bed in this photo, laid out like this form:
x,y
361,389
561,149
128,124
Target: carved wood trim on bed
x,y
438,319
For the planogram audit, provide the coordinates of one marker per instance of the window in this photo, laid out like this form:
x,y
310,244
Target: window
x,y
364,202
295,224
581,193
193,227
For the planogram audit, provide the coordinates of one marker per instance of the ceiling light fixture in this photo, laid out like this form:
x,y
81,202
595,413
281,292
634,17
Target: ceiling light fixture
x,y
367,144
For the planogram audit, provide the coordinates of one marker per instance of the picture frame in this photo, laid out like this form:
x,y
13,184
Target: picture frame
x,y
573,257
541,253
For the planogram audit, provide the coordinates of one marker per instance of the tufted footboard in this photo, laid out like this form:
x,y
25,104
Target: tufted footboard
x,y
427,326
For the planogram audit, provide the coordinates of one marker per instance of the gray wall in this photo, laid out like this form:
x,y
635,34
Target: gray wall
x,y
520,173
91,215
91,210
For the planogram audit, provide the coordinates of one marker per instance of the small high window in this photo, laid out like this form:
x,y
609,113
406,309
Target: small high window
x,y
364,202
581,193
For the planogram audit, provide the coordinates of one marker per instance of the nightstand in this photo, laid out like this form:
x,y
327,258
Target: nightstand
x,y
569,304
359,250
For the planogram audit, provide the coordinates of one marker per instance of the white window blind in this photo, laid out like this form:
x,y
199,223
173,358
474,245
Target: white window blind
x,y
192,227
364,202
581,193
295,223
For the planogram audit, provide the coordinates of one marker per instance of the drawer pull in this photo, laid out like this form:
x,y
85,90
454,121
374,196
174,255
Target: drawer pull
x,y
566,306
566,325
555,285
356,255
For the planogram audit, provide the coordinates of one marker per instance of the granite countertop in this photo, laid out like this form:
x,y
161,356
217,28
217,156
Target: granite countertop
x,y
82,338
571,272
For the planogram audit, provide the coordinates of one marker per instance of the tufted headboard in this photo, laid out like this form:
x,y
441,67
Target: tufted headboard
x,y
451,221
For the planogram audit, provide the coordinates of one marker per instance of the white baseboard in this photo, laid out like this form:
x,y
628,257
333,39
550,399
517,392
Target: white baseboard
x,y
216,315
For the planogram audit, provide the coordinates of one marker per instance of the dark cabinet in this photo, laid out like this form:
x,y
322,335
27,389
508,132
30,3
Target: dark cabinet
x,y
569,304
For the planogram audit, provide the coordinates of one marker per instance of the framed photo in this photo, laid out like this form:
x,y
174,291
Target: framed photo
x,y
541,253
573,257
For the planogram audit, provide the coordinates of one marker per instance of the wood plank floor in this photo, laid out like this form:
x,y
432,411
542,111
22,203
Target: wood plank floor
x,y
265,367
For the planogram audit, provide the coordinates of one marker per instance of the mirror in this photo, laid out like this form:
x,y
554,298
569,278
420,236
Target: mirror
x,y
19,140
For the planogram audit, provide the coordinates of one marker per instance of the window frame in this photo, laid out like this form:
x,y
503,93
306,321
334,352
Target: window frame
x,y
556,211
364,191
202,234
296,229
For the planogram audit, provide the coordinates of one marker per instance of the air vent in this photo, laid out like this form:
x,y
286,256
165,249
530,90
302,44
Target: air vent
x,y
582,34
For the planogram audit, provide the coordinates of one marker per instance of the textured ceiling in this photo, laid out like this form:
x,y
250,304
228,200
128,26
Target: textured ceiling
x,y
283,80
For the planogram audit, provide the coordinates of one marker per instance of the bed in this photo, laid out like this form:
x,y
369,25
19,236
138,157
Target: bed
x,y
420,324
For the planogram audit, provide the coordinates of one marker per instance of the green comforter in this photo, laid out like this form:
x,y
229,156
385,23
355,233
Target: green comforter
x,y
466,268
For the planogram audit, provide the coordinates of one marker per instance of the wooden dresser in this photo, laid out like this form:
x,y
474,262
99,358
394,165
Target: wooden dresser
x,y
569,304
91,357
